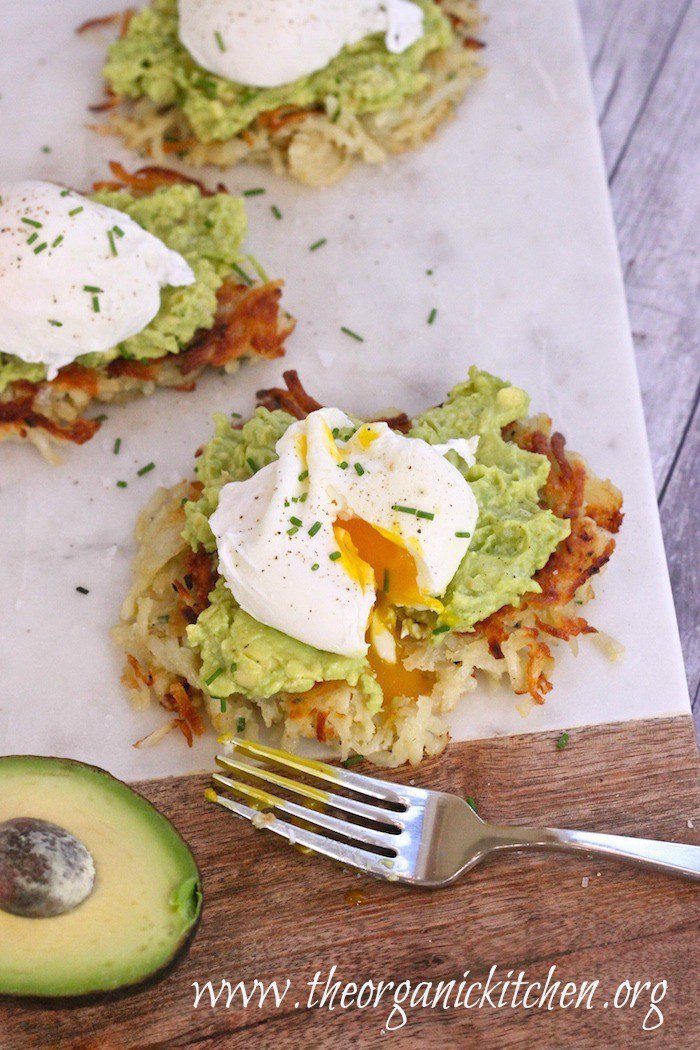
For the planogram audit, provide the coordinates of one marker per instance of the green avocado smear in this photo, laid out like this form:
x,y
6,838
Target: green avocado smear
x,y
514,538
149,61
208,232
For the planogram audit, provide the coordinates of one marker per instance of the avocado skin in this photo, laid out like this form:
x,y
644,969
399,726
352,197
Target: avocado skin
x,y
180,950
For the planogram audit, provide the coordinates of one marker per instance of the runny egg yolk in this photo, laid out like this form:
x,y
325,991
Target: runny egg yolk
x,y
375,560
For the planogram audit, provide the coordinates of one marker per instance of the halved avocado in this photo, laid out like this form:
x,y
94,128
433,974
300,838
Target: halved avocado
x,y
98,891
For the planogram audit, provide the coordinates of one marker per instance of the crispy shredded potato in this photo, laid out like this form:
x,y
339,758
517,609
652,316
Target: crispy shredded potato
x,y
309,144
249,322
516,644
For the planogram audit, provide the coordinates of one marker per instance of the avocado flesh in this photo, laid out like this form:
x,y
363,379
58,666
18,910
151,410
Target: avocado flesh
x,y
146,900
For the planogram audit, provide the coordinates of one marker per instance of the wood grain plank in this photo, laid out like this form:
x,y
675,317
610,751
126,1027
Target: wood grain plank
x,y
657,208
627,43
680,514
654,186
271,912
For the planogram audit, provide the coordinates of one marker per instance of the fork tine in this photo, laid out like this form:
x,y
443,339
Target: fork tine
x,y
382,867
328,798
378,789
312,816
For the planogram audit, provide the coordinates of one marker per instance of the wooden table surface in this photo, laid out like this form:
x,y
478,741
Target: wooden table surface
x,y
271,913
643,61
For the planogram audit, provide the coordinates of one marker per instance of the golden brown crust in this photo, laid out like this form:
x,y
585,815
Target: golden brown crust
x,y
119,18
292,398
18,416
148,178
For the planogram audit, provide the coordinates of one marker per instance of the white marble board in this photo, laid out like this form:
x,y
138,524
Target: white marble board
x,y
509,208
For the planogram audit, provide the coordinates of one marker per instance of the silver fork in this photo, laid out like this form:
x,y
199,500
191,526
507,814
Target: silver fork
x,y
404,834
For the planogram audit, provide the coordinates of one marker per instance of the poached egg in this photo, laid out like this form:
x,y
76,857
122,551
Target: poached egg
x,y
344,526
267,43
76,277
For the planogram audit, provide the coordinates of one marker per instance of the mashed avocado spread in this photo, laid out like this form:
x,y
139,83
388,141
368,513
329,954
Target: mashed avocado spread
x,y
149,61
514,537
208,232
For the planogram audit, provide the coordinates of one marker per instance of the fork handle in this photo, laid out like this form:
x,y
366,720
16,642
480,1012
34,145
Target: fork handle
x,y
676,858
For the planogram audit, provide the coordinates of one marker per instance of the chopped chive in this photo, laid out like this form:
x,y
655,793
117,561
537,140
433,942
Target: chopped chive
x,y
240,725
56,324
353,335
236,415
32,222
432,315
82,590
58,240
275,211
385,586
118,230
145,470
112,245
165,618
242,274
335,555
462,535
353,760
318,244
45,149
212,677
302,498
343,465
304,475
314,528
64,193
293,531
224,704
430,272
471,801
335,431
427,514
252,464
255,192
40,247
96,304
76,211
219,41
404,510
562,741
441,629
359,469
34,237
117,446
91,288
101,418
295,521
315,567
234,667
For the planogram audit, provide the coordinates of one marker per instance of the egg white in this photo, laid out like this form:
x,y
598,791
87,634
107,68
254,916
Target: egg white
x,y
267,43
55,246
280,534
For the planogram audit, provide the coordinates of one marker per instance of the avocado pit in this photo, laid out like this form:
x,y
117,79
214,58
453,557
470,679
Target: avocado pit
x,y
44,870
